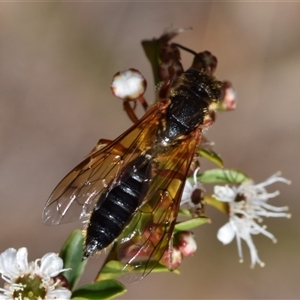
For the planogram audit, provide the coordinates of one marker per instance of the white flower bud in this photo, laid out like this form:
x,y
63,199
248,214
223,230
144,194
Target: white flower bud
x,y
187,243
128,85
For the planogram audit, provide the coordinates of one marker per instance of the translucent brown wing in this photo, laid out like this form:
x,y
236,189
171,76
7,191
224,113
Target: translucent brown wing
x,y
75,196
147,237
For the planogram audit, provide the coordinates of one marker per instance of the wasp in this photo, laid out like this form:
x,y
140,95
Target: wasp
x,y
130,189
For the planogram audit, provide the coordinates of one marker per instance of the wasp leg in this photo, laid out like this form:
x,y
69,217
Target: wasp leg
x,y
130,111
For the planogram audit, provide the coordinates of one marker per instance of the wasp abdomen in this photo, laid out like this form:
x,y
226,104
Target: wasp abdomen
x,y
115,209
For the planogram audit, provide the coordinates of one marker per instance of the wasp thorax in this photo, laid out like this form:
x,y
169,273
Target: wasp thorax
x,y
192,99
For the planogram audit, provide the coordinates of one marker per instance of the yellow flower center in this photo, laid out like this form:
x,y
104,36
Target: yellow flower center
x,y
31,288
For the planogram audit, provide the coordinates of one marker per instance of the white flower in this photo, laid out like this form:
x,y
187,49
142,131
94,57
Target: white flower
x,y
192,195
32,280
247,205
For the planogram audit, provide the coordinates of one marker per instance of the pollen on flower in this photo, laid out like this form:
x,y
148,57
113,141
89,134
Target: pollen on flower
x,y
247,207
261,264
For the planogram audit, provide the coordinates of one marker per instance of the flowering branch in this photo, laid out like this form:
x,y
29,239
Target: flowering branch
x,y
246,204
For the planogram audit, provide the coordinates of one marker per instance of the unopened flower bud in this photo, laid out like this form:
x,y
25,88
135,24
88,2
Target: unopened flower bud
x,y
173,261
128,85
187,243
228,101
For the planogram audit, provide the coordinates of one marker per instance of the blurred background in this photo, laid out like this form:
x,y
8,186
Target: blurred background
x,y
56,64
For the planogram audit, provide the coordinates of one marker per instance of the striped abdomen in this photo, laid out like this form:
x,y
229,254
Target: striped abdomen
x,y
115,209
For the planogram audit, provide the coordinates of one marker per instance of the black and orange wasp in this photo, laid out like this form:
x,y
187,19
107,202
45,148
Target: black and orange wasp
x,y
131,188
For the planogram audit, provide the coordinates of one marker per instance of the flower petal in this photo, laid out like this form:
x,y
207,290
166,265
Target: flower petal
x,y
4,297
51,264
59,293
226,234
7,263
224,193
21,260
187,191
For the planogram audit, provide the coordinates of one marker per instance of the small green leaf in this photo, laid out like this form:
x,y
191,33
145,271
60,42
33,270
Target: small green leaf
x,y
151,49
105,289
219,205
110,270
161,268
211,155
223,176
185,212
71,253
190,224
114,269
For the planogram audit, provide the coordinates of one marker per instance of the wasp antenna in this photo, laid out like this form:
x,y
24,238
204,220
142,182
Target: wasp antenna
x,y
186,49
190,51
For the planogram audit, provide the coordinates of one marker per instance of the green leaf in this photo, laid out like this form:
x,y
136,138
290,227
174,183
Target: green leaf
x,y
71,253
110,270
114,269
219,205
185,212
161,268
211,155
151,49
223,176
105,289
190,224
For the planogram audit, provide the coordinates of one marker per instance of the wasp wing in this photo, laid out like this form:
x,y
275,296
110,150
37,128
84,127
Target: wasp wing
x,y
77,193
148,236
